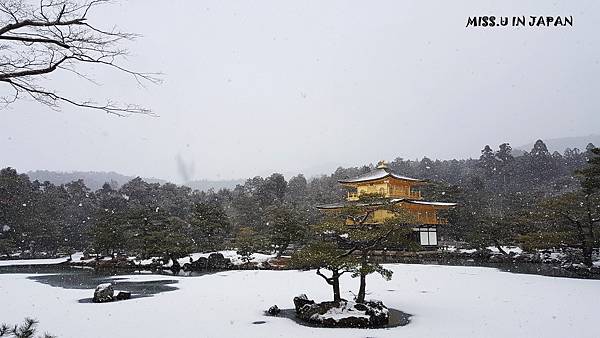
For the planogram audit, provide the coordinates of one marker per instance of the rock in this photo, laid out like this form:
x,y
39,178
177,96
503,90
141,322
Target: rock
x,y
200,264
361,307
300,301
122,295
342,314
197,265
379,314
216,261
273,310
103,293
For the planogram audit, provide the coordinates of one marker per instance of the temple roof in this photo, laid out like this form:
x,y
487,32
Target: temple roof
x,y
393,200
380,172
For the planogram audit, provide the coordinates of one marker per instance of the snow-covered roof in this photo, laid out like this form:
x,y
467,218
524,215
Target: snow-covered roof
x,y
441,204
377,174
393,200
332,206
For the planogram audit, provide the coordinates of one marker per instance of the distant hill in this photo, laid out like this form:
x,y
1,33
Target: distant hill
x,y
560,144
93,179
215,185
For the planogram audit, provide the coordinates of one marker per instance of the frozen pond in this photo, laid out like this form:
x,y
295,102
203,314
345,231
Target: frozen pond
x,y
83,278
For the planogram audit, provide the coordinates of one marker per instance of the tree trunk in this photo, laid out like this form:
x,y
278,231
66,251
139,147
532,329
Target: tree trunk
x,y
281,249
588,236
360,298
499,247
335,283
588,247
362,289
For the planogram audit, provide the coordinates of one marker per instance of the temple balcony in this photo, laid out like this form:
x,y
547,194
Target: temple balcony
x,y
429,219
405,193
393,193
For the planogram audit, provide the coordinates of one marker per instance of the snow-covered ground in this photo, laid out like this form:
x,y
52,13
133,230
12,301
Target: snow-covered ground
x,y
445,301
236,259
493,249
76,257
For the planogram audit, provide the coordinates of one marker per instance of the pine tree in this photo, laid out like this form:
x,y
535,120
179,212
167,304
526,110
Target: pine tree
x,y
590,175
210,226
488,162
26,330
323,254
344,241
285,226
246,243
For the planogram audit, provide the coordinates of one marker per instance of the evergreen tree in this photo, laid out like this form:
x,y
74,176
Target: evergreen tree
x,y
590,175
488,162
210,226
323,254
171,238
578,211
246,243
285,226
345,240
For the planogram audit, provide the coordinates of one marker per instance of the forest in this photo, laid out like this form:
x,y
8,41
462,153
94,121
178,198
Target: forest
x,y
536,200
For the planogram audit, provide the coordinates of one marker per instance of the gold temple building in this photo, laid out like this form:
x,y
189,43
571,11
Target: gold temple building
x,y
402,191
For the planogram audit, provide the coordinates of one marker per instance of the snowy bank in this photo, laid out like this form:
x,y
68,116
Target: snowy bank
x,y
43,261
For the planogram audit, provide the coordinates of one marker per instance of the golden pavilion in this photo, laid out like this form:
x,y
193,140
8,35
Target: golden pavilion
x,y
400,190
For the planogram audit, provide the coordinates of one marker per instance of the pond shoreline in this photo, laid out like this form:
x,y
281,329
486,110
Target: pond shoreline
x,y
514,263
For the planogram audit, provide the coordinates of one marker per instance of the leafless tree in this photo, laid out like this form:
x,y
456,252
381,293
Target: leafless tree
x,y
50,36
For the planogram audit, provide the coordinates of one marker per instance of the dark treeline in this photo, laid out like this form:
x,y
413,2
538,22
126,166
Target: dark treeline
x,y
500,202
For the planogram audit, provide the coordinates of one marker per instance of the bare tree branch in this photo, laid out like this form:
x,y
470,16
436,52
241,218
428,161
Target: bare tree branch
x,y
329,280
54,36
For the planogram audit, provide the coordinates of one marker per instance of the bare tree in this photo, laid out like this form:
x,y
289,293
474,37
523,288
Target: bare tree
x,y
49,36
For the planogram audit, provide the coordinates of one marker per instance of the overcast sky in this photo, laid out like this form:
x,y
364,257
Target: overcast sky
x,y
252,88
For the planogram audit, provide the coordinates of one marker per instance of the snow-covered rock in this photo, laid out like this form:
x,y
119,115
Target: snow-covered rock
x,y
341,314
103,293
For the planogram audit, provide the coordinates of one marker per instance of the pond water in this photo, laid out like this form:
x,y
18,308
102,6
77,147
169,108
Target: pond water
x,y
518,267
83,278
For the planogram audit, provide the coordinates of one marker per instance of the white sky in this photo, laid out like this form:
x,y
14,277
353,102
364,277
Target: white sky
x,y
254,87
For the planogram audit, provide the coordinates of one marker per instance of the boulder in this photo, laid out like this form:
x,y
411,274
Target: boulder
x,y
103,293
197,265
201,263
122,295
378,313
300,301
273,310
216,261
